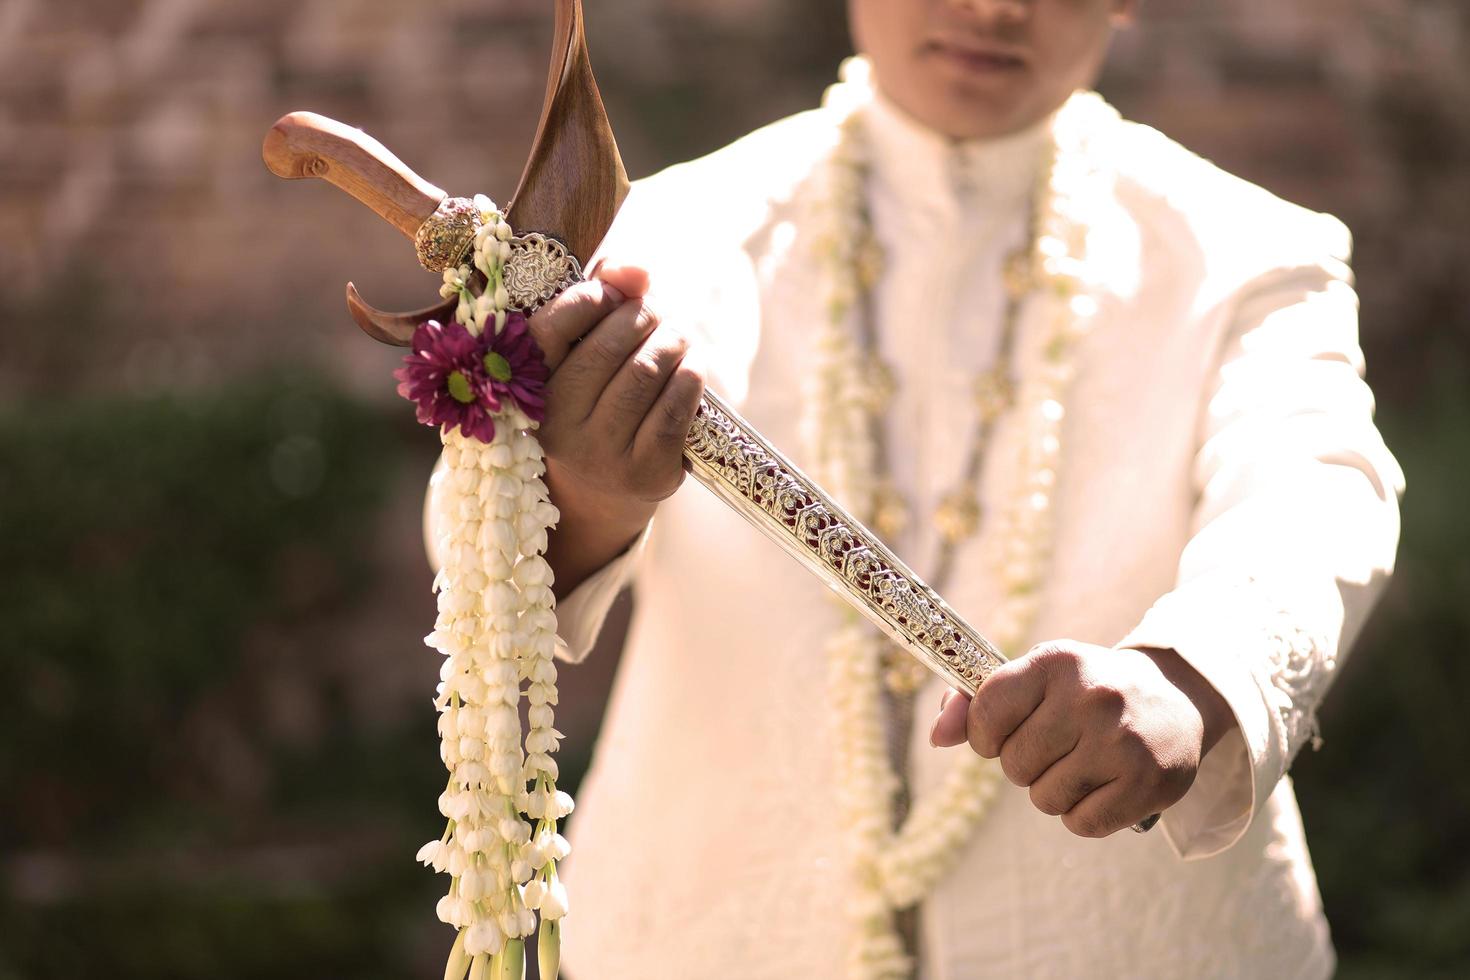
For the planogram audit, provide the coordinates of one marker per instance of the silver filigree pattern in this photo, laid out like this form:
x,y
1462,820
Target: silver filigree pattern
x,y
539,267
748,473
733,460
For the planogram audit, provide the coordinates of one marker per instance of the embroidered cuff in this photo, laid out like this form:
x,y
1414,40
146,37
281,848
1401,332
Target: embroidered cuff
x,y
1217,624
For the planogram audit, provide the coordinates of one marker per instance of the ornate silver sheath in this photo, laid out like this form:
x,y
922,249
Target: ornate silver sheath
x,y
745,471
731,458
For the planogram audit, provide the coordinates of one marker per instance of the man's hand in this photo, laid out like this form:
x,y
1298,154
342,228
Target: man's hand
x,y
1103,737
619,405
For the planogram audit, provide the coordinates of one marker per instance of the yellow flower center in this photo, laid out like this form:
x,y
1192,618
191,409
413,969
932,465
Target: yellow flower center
x,y
459,387
497,366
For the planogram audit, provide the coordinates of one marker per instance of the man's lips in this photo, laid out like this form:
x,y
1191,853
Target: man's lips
x,y
978,58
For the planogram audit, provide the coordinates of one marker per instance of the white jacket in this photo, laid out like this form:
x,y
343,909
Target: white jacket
x,y
1224,493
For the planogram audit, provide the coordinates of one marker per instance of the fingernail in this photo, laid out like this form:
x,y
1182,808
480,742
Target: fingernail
x,y
613,293
946,697
933,728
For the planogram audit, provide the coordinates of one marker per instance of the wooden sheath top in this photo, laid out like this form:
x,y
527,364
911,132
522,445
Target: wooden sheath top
x,y
305,144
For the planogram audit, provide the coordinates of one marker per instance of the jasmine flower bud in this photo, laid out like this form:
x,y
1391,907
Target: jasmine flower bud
x,y
483,937
540,741
428,855
554,905
533,892
562,805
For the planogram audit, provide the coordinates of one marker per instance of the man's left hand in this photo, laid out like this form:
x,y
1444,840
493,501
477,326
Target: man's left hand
x,y
1103,737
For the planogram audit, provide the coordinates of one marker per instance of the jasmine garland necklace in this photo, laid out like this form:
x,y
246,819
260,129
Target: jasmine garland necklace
x,y
893,868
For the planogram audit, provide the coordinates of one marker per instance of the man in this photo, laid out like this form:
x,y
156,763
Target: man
x,y
1218,518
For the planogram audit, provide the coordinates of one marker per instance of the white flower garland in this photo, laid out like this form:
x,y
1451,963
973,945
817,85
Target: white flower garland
x,y
895,869
489,513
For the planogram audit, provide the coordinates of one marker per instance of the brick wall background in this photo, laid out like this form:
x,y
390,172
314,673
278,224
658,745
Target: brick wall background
x,y
129,134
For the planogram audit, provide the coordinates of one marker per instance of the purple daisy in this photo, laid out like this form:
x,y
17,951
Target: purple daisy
x,y
516,367
446,378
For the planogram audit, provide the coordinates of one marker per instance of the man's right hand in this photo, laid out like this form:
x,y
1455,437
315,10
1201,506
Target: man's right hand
x,y
619,404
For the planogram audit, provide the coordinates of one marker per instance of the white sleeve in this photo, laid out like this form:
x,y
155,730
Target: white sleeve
x,y
579,617
1293,536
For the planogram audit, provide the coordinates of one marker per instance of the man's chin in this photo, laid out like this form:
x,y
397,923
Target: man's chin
x,y
969,115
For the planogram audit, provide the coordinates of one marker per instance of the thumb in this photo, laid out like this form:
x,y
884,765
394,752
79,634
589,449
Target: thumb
x,y
950,724
630,280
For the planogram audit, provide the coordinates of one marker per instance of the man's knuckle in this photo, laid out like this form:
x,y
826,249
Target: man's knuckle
x,y
1077,787
983,745
645,320
992,699
1106,699
1140,751
982,735
644,372
686,386
601,347
1019,757
1089,824
674,422
1012,765
671,342
1105,821
1045,801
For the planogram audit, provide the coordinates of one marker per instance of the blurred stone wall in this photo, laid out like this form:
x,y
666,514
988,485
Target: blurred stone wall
x,y
129,134
1356,107
129,154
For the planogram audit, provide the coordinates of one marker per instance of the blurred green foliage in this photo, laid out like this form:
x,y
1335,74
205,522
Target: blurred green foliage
x,y
145,604
163,557
1386,800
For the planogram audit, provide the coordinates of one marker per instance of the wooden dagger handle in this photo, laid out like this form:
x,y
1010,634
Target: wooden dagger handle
x,y
305,144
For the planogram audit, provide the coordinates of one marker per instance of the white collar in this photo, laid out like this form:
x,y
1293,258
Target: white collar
x,y
926,169
923,168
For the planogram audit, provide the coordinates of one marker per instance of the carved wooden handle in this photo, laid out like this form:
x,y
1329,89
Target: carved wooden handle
x,y
305,144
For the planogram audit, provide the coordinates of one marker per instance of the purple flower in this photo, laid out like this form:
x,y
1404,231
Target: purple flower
x,y
514,363
456,379
445,378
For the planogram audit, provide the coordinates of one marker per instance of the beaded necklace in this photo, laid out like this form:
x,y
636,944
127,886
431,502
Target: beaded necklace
x,y
899,848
